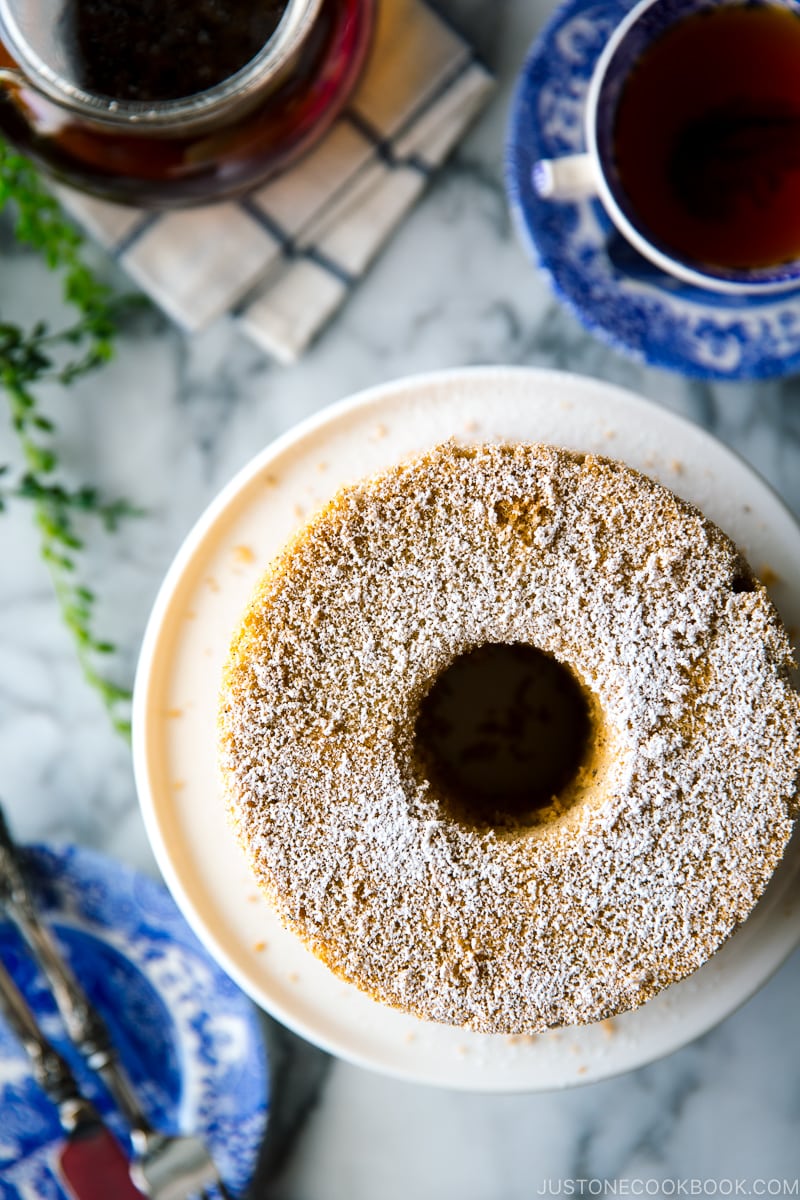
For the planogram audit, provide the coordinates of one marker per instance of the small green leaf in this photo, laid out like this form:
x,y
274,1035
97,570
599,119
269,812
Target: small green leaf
x,y
40,354
39,458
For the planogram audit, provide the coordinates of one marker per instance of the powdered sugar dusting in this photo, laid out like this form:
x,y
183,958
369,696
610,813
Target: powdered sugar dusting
x,y
659,856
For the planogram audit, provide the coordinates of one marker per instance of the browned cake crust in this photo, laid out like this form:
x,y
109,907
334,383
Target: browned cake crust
x,y
671,831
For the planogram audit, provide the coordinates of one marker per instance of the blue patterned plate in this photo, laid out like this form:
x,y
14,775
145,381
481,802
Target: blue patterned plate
x,y
187,1035
624,300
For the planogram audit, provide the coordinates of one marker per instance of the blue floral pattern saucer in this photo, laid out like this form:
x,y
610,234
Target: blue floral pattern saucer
x,y
618,295
188,1037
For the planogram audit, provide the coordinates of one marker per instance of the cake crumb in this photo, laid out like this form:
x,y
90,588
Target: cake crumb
x,y
259,946
244,554
174,713
768,576
676,466
608,1027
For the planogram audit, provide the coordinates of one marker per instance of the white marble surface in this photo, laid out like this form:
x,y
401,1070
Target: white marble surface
x,y
166,425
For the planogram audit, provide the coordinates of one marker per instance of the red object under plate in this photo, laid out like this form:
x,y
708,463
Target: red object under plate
x,y
94,1167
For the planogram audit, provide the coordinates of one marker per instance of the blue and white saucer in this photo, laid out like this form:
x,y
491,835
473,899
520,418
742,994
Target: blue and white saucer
x,y
188,1037
618,295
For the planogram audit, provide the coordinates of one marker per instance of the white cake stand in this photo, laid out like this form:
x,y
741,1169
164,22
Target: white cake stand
x,y
177,687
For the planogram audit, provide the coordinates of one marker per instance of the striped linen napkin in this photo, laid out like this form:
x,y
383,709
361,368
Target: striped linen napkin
x,y
285,257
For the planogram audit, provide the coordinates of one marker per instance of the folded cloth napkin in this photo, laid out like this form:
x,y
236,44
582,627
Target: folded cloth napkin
x,y
286,256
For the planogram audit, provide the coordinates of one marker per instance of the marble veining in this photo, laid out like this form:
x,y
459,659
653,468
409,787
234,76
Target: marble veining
x,y
166,425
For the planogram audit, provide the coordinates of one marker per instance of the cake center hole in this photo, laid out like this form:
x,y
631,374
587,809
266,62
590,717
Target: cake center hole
x,y
502,732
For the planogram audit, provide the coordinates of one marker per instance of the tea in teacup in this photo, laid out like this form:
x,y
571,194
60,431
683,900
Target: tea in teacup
x,y
692,128
706,137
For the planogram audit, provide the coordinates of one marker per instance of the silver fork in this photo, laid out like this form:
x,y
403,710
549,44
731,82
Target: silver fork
x,y
165,1166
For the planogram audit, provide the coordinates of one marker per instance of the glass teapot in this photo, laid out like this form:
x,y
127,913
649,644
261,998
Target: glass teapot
x,y
168,104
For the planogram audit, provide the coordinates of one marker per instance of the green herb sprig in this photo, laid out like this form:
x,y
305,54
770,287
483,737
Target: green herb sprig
x,y
30,357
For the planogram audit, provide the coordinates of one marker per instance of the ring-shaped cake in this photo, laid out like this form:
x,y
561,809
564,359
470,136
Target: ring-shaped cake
x,y
675,818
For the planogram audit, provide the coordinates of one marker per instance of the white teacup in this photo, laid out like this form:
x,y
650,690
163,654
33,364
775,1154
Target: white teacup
x,y
594,172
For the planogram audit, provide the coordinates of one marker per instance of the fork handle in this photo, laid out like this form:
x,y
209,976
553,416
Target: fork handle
x,y
50,1070
91,1160
86,1028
